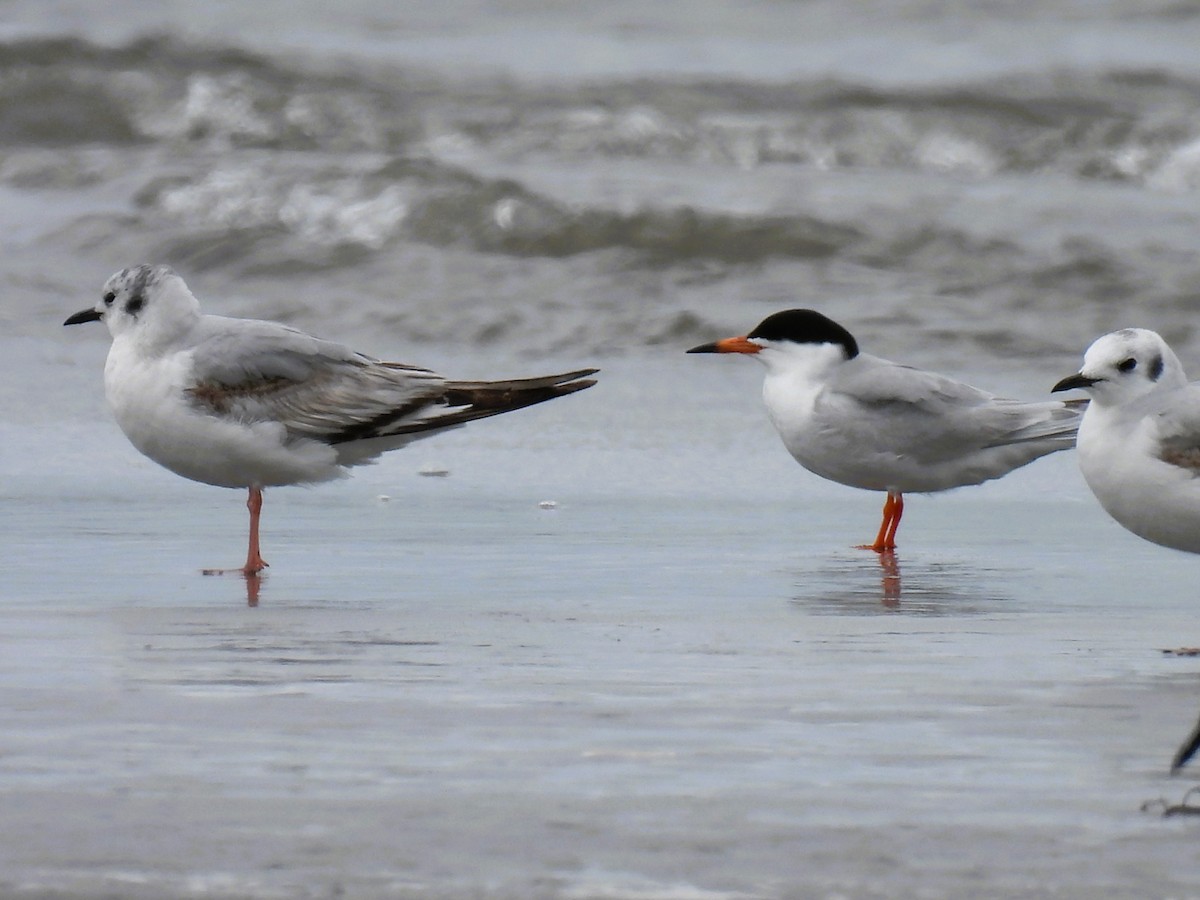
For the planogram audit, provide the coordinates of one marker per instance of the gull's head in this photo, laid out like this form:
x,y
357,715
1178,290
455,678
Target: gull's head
x,y
151,302
1124,365
795,339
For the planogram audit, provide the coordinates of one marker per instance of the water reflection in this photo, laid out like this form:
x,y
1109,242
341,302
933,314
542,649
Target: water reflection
x,y
881,583
889,584
296,649
253,582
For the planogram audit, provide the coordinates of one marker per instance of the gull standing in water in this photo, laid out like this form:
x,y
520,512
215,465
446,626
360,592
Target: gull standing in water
x,y
869,423
242,403
1139,445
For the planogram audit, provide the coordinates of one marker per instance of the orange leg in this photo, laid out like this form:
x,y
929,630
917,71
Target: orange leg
x,y
254,561
893,509
897,511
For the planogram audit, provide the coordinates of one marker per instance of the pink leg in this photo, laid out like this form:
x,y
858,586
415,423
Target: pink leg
x,y
254,561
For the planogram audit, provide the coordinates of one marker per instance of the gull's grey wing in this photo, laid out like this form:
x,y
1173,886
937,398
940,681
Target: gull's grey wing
x,y
236,351
931,418
256,371
1177,428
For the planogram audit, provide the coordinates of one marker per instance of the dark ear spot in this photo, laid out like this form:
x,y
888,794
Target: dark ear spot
x,y
1156,368
134,305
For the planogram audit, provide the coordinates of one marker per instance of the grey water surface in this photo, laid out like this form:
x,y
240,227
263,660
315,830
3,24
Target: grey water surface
x,y
624,648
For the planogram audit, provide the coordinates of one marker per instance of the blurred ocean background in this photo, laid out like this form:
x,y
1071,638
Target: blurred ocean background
x,y
673,679
964,178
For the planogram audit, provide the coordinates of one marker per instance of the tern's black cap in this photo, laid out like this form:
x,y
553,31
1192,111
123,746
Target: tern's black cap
x,y
805,326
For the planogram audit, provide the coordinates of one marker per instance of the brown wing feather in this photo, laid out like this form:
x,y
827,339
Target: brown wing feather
x,y
469,400
341,402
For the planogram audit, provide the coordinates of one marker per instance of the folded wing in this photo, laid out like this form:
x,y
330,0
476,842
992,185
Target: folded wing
x,y
930,418
323,391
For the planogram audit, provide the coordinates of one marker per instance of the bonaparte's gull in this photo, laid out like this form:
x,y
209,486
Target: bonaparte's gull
x,y
1139,443
242,403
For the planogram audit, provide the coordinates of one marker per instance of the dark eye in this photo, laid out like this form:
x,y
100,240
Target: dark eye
x,y
1128,365
136,302
109,298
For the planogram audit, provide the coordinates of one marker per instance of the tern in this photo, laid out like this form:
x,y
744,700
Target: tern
x,y
869,423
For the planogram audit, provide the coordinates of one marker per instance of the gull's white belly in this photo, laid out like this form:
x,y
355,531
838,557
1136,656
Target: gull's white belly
x,y
1155,500
149,402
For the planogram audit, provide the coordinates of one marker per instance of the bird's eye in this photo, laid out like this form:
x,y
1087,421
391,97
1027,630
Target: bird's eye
x,y
1128,365
109,298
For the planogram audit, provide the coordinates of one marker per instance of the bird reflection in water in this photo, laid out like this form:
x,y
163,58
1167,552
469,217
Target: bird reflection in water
x,y
883,584
253,581
889,585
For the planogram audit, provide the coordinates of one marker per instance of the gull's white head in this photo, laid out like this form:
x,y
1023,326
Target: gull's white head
x,y
151,303
793,339
1125,365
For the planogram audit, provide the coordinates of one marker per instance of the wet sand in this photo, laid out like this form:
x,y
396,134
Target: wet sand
x,y
681,682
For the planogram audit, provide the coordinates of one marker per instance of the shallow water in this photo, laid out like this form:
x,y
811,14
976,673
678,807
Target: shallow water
x,y
680,681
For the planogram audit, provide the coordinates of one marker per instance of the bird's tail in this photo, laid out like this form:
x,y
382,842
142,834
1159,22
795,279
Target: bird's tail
x,y
1052,422
466,401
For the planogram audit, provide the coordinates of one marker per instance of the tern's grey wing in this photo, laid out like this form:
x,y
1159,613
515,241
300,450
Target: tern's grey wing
x,y
1177,427
256,371
876,382
931,418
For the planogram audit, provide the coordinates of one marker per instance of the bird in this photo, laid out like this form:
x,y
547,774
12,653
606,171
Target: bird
x,y
869,423
1186,750
1139,442
1139,445
252,404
